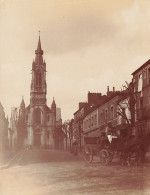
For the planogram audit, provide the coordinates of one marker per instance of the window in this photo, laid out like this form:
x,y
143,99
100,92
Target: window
x,y
95,119
37,116
89,122
112,112
140,83
106,114
145,74
92,122
48,118
39,79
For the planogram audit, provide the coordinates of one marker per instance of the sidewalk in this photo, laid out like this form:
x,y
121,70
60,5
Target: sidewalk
x,y
7,158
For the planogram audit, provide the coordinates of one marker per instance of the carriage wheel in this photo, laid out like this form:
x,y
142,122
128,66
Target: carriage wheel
x,y
134,157
88,155
123,158
105,156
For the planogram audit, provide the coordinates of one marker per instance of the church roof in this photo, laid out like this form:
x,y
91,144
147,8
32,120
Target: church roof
x,y
48,109
28,107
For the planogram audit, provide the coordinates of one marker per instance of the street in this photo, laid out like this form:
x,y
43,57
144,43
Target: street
x,y
45,172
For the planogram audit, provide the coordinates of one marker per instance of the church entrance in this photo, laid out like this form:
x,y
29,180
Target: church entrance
x,y
37,138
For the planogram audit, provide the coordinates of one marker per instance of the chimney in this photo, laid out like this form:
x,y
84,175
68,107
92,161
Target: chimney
x,y
107,88
113,89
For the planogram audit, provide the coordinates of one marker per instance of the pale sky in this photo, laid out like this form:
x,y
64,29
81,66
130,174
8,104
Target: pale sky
x,y
88,45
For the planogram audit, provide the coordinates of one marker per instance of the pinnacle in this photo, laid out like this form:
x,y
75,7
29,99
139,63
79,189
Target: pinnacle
x,y
39,45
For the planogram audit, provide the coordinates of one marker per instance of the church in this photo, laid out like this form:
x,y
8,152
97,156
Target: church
x,y
40,119
43,123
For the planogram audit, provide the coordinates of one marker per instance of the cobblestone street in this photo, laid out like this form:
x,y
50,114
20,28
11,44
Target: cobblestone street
x,y
44,172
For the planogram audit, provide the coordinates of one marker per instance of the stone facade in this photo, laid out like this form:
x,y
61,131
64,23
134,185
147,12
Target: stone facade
x,y
103,117
94,99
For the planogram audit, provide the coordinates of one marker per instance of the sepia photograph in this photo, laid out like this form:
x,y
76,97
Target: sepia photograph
x,y
74,97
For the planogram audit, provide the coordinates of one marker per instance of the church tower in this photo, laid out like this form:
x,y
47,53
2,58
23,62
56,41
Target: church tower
x,y
38,83
41,119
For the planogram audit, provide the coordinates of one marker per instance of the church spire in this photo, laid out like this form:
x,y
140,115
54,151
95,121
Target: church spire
x,y
39,45
39,48
22,103
38,82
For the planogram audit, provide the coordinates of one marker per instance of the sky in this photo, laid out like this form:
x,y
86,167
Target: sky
x,y
88,45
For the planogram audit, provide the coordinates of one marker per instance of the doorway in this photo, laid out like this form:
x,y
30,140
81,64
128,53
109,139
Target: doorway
x,y
37,140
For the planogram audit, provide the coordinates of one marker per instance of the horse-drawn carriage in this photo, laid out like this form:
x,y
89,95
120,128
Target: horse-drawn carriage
x,y
130,150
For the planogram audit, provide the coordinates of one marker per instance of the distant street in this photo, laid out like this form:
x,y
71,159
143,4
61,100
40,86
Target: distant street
x,y
50,172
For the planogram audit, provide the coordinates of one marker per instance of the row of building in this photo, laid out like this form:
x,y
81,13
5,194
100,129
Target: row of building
x,y
121,112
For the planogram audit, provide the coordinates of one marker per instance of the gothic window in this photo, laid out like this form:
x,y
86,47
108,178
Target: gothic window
x,y
48,118
37,116
39,79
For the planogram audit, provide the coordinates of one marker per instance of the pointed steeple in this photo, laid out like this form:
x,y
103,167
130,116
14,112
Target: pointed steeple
x,y
22,103
53,106
39,48
39,45
38,81
22,110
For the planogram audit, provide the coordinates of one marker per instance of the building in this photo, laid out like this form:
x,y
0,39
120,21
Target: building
x,y
40,119
3,130
13,127
104,116
59,135
94,99
17,130
141,81
37,125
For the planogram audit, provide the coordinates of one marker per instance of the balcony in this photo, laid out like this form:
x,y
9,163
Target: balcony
x,y
143,113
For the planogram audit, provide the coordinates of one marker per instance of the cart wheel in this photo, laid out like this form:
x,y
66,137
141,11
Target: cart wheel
x,y
134,158
88,155
105,157
123,159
